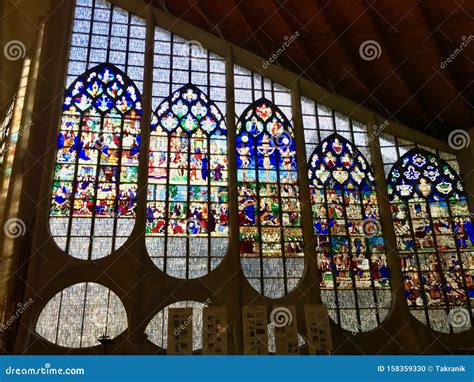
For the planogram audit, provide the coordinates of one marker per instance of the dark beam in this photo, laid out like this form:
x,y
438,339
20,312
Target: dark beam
x,y
397,65
213,26
315,69
432,34
236,5
340,41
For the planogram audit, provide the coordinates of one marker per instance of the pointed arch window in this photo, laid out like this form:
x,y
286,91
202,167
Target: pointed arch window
x,y
350,249
187,209
435,239
271,240
95,180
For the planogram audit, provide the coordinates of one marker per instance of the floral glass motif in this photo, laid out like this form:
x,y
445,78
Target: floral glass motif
x,y
435,239
271,240
187,214
350,249
95,179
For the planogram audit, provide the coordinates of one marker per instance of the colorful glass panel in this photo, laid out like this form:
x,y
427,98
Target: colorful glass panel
x,y
271,240
96,172
435,239
187,210
350,248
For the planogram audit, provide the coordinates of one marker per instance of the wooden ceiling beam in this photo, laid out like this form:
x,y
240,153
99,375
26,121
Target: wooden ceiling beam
x,y
312,65
432,34
340,41
396,65
213,26
253,36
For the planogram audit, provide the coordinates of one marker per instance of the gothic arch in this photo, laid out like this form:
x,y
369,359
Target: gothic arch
x,y
187,210
435,239
95,181
350,249
271,239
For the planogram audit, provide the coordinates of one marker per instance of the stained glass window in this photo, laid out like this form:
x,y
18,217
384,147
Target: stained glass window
x,y
92,211
187,210
78,315
157,329
393,148
179,62
250,86
271,241
95,180
320,121
435,239
350,249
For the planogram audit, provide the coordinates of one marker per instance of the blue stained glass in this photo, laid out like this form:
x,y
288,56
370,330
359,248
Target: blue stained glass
x,y
350,247
188,162
98,140
269,211
435,240
421,174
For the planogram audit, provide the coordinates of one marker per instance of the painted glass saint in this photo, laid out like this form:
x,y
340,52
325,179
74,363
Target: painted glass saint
x,y
95,180
187,214
435,239
350,248
271,240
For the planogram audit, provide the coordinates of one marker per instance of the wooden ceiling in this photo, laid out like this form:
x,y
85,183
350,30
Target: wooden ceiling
x,y
406,81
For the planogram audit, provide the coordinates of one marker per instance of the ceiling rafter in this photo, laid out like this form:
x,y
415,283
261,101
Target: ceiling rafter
x,y
432,34
339,40
214,27
253,35
396,66
315,69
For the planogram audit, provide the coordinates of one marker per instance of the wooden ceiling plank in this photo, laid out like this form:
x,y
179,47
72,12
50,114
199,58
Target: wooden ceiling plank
x,y
362,80
397,66
253,35
315,69
213,26
433,34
